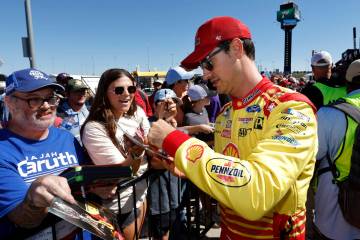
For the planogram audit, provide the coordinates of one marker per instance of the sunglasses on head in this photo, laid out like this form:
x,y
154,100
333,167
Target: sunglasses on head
x,y
207,63
120,90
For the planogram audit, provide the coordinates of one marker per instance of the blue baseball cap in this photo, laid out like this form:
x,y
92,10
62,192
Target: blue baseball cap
x,y
176,74
200,91
196,93
28,80
166,93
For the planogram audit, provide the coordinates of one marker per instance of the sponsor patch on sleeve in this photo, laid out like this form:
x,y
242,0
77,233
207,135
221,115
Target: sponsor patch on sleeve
x,y
194,152
228,172
296,113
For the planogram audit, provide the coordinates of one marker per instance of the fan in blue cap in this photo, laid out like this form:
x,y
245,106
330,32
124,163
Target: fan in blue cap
x,y
29,80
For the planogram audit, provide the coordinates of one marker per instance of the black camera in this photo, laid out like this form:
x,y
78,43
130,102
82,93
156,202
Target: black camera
x,y
198,79
340,67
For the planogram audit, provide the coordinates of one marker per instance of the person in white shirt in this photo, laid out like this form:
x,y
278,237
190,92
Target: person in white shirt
x,y
114,112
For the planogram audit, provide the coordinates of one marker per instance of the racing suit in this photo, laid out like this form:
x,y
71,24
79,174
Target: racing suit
x,y
263,161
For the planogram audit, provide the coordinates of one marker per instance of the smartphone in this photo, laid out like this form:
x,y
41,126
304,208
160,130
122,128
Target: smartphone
x,y
167,106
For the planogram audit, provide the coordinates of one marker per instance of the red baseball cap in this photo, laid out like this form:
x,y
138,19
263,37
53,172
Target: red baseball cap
x,y
210,34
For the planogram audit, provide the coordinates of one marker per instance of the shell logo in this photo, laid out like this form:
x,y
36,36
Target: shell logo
x,y
194,152
231,150
228,172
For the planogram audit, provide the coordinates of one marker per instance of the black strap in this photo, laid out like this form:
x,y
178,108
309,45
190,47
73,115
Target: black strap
x,y
348,109
323,170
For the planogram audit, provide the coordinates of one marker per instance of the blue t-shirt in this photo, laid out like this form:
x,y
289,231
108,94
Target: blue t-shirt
x,y
23,160
71,120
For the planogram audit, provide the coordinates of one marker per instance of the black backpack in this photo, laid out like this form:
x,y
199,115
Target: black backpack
x,y
349,188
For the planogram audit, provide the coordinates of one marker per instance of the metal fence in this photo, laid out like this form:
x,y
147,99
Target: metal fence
x,y
192,213
193,216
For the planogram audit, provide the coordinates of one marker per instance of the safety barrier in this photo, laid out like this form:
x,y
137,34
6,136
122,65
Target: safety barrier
x,y
195,211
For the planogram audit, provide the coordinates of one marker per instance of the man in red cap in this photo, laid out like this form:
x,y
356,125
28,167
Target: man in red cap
x,y
265,140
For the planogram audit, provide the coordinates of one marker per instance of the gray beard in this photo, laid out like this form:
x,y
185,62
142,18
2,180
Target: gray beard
x,y
35,123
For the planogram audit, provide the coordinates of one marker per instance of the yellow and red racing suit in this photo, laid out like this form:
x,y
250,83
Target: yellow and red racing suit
x,y
264,157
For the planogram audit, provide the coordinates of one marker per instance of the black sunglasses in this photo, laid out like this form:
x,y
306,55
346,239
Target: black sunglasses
x,y
207,63
120,90
37,102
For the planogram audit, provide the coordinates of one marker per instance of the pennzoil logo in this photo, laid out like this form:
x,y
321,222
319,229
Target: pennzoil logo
x,y
194,153
228,172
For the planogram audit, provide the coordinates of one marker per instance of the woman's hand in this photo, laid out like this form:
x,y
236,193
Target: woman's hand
x,y
135,150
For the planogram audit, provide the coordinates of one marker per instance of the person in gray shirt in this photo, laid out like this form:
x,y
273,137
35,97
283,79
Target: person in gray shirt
x,y
329,220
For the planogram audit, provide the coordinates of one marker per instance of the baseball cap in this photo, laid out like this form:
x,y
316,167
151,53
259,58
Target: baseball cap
x,y
166,93
210,34
28,80
353,70
176,74
63,77
210,92
76,84
321,59
198,92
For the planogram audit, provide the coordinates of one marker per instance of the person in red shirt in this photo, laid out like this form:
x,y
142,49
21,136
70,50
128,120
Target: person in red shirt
x,y
142,100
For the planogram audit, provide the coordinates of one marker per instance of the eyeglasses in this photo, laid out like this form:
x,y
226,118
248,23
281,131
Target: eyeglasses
x,y
120,90
207,63
35,103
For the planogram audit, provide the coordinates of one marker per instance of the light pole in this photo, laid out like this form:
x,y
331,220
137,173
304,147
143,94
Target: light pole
x,y
30,38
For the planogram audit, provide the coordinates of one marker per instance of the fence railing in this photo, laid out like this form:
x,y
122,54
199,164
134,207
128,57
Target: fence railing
x,y
191,212
195,212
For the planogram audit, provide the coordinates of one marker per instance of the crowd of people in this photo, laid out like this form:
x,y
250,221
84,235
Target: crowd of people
x,y
255,143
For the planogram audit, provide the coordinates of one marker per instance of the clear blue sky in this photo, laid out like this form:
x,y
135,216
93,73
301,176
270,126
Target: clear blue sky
x,y
90,36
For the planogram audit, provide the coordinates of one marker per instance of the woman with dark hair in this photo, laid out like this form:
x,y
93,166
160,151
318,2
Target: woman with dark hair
x,y
113,113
